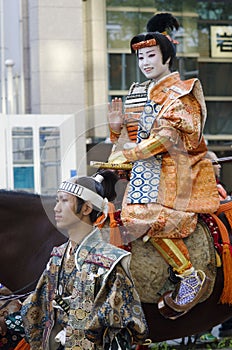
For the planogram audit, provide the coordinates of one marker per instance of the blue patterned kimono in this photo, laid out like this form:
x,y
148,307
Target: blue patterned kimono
x,y
97,293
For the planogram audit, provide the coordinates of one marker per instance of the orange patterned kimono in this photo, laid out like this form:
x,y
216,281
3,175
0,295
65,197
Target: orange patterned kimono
x,y
171,180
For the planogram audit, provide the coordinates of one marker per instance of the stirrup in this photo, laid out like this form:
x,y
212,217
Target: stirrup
x,y
170,309
166,311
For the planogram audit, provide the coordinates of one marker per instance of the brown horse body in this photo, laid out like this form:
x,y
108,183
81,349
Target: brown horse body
x,y
27,235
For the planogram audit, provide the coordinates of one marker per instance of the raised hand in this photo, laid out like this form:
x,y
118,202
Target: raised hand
x,y
115,115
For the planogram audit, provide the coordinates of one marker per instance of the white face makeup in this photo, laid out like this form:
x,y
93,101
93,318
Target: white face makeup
x,y
151,63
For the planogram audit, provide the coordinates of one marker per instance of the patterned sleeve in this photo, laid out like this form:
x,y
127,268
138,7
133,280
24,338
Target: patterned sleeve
x,y
37,309
179,125
183,121
117,307
32,314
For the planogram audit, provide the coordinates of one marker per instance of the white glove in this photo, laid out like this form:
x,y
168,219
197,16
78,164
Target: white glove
x,y
61,336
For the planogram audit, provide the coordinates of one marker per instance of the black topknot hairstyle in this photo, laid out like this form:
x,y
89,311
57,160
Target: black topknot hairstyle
x,y
162,22
156,26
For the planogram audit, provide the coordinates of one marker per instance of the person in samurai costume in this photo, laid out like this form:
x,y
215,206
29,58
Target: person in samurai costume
x,y
85,298
160,131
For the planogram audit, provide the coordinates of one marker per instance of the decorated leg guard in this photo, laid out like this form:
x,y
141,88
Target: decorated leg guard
x,y
174,252
192,285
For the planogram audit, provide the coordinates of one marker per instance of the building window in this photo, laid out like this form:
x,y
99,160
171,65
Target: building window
x,y
213,77
50,159
123,71
23,162
123,25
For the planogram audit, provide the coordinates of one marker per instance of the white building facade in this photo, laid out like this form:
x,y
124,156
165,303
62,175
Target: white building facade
x,y
53,87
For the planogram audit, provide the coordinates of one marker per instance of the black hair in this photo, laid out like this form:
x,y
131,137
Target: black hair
x,y
106,189
167,48
162,22
109,182
156,27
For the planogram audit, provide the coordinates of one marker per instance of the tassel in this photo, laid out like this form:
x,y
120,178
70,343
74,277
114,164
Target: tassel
x,y
218,260
100,222
22,345
226,296
115,234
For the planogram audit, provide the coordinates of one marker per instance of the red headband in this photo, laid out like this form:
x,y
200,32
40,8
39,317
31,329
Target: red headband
x,y
151,42
146,43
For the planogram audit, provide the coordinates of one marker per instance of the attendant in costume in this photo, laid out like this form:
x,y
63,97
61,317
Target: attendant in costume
x,y
85,299
225,330
160,132
226,327
223,195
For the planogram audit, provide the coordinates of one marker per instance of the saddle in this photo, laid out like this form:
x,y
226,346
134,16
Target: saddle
x,y
152,276
209,247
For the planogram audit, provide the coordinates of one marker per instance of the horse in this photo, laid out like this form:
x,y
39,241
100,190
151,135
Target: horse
x,y
27,235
